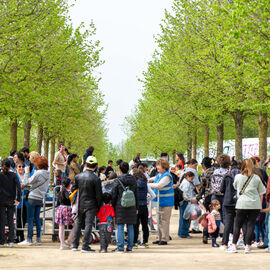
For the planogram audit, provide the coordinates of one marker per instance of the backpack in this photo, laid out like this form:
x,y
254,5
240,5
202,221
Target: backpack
x,y
178,197
128,197
109,221
216,181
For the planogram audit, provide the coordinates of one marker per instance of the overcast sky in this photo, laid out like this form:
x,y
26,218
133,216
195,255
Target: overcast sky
x,y
125,29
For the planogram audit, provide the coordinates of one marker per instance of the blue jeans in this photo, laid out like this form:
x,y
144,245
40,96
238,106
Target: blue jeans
x,y
267,226
121,236
183,223
33,214
259,231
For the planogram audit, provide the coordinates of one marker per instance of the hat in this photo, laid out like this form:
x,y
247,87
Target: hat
x,y
91,160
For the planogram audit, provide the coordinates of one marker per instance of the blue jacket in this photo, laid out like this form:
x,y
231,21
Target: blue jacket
x,y
166,194
142,191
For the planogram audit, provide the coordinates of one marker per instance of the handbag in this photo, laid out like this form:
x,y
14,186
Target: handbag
x,y
235,197
109,221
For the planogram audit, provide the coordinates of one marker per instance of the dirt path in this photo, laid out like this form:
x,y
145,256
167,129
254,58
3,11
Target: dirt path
x,y
179,254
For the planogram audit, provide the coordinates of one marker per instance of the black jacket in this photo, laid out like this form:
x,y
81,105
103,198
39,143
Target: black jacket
x,y
124,215
227,187
90,193
10,188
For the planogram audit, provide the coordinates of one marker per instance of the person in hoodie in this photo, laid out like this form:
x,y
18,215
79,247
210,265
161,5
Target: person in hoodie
x,y
124,215
89,152
224,162
229,203
38,183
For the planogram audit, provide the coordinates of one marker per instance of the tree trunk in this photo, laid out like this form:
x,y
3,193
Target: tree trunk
x,y
27,132
194,147
206,141
46,144
263,127
39,138
52,154
220,135
13,133
189,145
238,124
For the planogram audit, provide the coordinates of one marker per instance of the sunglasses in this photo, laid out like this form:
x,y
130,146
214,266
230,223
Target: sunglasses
x,y
20,166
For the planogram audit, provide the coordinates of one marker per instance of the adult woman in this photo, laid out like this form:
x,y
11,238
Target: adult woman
x,y
189,196
73,166
180,159
10,193
32,157
224,162
229,203
38,183
142,216
250,192
164,183
21,208
18,157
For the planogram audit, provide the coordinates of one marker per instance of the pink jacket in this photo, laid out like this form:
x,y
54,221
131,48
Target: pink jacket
x,y
212,226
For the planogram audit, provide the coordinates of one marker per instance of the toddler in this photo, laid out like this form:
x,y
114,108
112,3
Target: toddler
x,y
215,206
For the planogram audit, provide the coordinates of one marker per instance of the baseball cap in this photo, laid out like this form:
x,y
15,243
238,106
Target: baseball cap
x,y
91,160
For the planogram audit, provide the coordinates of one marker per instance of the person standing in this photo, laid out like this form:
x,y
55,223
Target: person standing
x,y
109,168
73,166
90,199
38,183
10,194
124,215
60,160
164,183
250,190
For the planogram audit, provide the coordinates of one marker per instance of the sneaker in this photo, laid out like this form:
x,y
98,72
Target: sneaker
x,y
25,243
255,244
37,242
223,248
64,247
75,249
247,250
162,243
10,245
68,243
231,250
156,242
205,240
87,250
128,250
145,245
263,246
118,251
267,250
135,245
103,251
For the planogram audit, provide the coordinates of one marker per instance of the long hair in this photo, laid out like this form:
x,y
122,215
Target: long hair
x,y
65,184
138,174
247,167
71,157
189,174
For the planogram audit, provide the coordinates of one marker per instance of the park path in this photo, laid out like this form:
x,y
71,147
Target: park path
x,y
179,254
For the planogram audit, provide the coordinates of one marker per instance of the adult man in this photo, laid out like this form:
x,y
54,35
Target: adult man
x,y
109,168
90,199
60,160
26,152
89,152
124,215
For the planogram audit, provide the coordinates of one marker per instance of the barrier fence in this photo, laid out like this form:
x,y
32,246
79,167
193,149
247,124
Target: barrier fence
x,y
48,210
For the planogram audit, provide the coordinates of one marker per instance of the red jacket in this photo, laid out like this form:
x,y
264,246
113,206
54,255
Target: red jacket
x,y
109,212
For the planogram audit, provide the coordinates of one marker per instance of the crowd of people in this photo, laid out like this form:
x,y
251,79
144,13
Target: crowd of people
x,y
229,199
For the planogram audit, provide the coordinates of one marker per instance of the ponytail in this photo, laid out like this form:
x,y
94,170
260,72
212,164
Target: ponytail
x,y
190,174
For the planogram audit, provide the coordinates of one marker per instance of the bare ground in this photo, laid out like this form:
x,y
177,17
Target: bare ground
x,y
179,254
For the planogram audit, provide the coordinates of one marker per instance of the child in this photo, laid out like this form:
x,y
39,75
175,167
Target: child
x,y
215,206
58,174
106,211
63,214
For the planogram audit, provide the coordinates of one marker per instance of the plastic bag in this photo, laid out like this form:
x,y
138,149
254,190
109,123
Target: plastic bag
x,y
192,212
